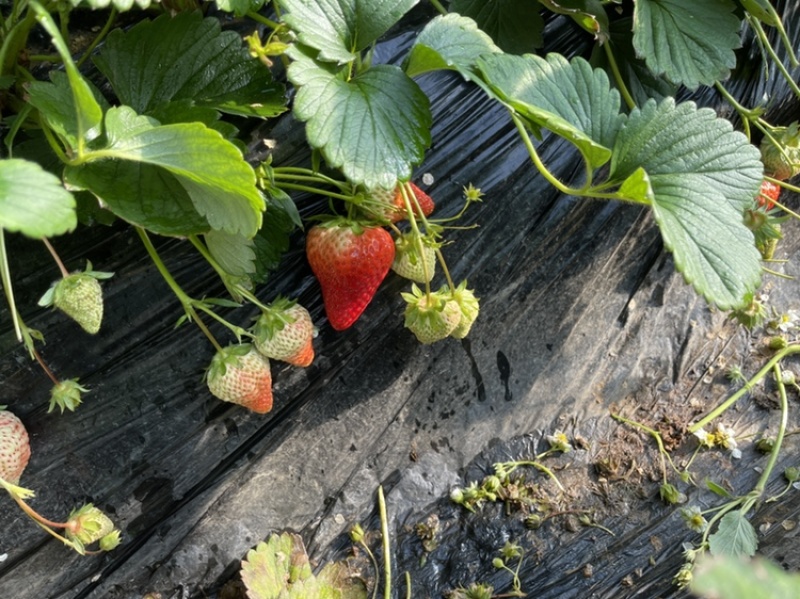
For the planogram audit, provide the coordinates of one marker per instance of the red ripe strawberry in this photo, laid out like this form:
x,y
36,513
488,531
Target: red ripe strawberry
x,y
350,261
15,448
769,193
393,207
285,332
241,375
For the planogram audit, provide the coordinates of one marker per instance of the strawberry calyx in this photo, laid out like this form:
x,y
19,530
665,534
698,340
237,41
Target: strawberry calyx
x,y
66,395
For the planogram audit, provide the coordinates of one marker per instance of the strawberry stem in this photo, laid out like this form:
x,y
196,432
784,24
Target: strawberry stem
x,y
438,6
187,302
623,89
408,193
44,366
314,190
52,250
387,558
5,275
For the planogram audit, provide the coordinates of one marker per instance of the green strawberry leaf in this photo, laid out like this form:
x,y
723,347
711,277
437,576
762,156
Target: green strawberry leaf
x,y
187,57
689,42
570,99
221,185
186,111
737,578
55,101
272,240
234,253
703,175
141,194
278,569
589,14
340,29
515,25
735,536
119,5
448,42
87,113
373,127
33,201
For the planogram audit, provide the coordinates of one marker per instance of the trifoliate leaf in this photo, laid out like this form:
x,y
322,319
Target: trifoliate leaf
x,y
448,42
339,29
279,569
187,57
141,194
515,25
703,175
221,185
33,201
373,127
234,253
689,42
569,98
737,578
735,536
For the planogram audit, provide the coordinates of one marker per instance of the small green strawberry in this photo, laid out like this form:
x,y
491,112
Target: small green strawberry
x,y
66,395
285,332
431,317
241,375
781,157
470,308
410,263
15,448
87,525
80,297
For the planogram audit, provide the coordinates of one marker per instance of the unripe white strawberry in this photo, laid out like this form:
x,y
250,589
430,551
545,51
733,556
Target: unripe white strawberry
x,y
15,448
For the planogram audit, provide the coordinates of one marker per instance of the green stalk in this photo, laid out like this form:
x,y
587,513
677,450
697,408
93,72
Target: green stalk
x,y
438,6
187,302
526,139
775,58
415,228
263,20
112,16
314,190
5,277
623,89
786,351
773,455
387,559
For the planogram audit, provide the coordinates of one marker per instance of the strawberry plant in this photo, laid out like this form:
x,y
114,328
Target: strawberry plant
x,y
146,129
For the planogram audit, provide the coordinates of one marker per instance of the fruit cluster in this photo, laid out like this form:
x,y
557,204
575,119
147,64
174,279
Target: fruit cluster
x,y
350,256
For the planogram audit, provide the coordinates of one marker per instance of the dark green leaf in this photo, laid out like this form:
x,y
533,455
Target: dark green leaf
x,y
703,175
449,41
187,57
140,194
373,127
515,25
735,536
689,42
569,98
339,29
33,201
272,239
186,111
